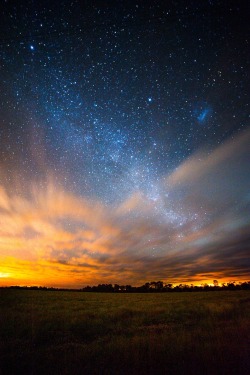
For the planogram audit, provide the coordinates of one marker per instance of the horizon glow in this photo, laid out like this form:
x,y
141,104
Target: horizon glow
x,y
124,141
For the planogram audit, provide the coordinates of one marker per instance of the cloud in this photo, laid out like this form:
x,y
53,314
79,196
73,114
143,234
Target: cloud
x,y
197,228
229,155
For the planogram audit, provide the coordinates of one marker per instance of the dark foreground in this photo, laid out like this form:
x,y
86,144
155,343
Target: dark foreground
x,y
98,333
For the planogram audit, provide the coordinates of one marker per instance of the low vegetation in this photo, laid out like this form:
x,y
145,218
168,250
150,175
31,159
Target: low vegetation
x,y
60,332
152,287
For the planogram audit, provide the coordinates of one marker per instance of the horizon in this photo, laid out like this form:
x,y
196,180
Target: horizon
x,y
124,137
215,284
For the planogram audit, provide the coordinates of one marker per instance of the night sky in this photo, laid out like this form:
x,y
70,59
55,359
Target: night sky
x,y
124,142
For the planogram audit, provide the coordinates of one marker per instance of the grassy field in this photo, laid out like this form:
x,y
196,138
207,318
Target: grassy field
x,y
44,332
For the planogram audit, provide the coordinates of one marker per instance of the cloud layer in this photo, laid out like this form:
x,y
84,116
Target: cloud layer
x,y
195,228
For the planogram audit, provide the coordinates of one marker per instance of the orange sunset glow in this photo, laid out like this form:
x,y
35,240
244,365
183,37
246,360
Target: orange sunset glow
x,y
124,143
53,237
124,187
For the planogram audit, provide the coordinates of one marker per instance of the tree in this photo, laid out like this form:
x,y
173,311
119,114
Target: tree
x,y
153,285
159,285
116,288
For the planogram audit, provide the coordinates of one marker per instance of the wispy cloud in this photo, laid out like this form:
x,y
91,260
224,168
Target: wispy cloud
x,y
197,228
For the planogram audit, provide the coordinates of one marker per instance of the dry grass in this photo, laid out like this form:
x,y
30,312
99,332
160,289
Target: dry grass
x,y
44,332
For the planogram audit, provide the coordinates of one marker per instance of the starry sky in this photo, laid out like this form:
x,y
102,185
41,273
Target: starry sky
x,y
124,142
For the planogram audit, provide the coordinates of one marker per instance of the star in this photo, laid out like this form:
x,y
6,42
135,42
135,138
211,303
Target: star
x,y
119,122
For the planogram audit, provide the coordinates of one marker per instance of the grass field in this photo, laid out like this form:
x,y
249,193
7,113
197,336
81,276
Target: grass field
x,y
44,332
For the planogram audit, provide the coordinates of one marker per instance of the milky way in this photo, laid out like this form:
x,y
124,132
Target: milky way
x,y
124,141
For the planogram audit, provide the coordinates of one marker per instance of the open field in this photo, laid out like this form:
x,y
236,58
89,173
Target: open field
x,y
44,332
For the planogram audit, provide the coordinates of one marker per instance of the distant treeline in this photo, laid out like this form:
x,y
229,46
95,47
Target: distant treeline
x,y
149,287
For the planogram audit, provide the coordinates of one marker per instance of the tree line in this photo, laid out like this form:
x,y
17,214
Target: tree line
x,y
149,287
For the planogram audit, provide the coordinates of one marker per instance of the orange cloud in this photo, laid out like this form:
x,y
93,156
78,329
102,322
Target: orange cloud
x,y
196,229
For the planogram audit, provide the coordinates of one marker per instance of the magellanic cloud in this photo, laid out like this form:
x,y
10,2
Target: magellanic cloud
x,y
196,229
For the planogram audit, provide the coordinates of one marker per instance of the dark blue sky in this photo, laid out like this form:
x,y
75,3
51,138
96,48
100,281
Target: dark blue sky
x,y
109,99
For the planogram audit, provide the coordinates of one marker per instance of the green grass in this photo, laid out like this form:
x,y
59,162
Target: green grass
x,y
95,333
